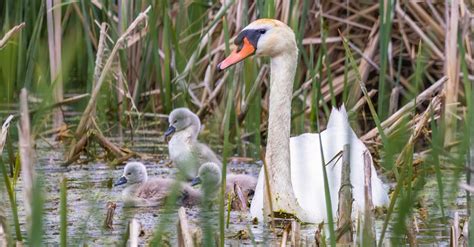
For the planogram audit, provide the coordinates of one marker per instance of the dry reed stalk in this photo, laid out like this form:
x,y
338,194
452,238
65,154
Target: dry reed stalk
x,y
84,122
109,219
422,14
451,67
344,221
419,31
364,66
362,101
213,95
286,232
87,116
108,145
53,17
3,219
242,205
268,213
394,97
185,239
26,152
10,34
4,132
134,229
100,52
369,229
295,233
411,232
455,232
420,98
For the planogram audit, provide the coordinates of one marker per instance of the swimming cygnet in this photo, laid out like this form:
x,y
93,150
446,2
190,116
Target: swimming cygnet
x,y
184,149
210,178
144,192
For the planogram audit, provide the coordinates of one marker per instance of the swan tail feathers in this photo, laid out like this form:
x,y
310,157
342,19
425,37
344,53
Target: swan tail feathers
x,y
338,118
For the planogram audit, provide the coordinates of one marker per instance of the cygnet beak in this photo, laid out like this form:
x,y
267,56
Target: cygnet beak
x,y
170,131
122,180
196,181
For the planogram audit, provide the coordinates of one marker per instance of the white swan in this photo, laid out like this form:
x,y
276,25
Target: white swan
x,y
267,37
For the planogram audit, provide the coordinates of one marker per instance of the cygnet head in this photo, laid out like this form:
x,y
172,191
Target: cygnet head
x,y
263,37
133,172
209,175
181,119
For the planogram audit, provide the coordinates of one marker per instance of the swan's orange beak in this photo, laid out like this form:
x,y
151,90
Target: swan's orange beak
x,y
238,55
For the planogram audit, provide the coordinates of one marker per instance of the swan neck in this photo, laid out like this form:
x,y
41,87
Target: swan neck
x,y
283,69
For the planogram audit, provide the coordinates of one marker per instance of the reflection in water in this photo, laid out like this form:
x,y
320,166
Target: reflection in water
x,y
89,190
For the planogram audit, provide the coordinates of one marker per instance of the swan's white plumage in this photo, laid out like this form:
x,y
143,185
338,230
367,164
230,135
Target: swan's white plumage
x,y
307,175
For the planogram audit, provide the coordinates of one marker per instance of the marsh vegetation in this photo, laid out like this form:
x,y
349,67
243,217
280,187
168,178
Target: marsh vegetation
x,y
90,85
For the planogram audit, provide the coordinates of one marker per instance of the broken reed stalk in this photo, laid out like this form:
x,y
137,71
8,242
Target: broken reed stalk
x,y
53,17
109,218
10,34
344,221
185,238
84,122
451,66
134,229
362,101
106,144
368,227
295,233
364,66
284,238
242,199
267,211
3,219
4,133
422,97
26,152
87,116
455,233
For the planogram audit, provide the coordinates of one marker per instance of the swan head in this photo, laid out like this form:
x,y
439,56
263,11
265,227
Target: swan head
x,y
263,37
133,172
209,175
182,118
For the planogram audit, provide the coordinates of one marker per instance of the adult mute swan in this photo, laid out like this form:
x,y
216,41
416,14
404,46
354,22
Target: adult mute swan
x,y
295,165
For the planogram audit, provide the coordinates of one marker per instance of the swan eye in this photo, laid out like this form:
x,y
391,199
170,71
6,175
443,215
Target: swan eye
x,y
175,121
262,31
129,173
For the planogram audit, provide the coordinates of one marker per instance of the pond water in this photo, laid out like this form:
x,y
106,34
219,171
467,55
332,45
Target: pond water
x,y
89,190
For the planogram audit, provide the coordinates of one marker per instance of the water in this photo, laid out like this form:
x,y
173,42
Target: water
x,y
90,188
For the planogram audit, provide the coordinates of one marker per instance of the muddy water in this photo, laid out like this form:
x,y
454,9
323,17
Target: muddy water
x,y
89,189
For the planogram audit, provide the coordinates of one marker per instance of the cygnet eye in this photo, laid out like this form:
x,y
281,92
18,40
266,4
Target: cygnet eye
x,y
175,121
262,31
129,173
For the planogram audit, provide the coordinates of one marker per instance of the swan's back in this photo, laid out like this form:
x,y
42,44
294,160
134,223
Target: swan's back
x,y
307,175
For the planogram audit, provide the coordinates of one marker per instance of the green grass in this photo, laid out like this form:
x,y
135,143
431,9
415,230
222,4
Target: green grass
x,y
167,68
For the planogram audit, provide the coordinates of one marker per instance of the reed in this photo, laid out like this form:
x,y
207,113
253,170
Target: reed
x,y
390,62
